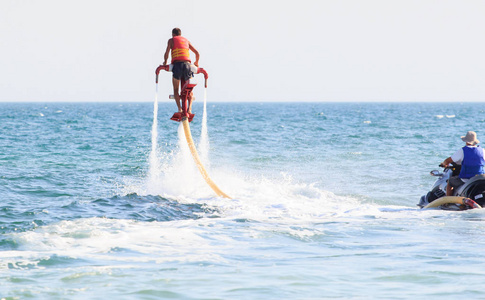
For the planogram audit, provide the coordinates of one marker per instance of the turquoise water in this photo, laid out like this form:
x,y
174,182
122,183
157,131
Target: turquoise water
x,y
324,203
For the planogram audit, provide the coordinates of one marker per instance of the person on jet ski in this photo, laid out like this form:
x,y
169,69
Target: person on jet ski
x,y
472,160
179,47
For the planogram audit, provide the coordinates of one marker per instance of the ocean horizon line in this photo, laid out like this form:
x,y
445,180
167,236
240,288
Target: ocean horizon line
x,y
254,101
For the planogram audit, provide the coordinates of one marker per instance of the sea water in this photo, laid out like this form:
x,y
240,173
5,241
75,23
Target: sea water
x,y
324,202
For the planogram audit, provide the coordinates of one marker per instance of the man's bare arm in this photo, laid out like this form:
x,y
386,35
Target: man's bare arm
x,y
197,56
169,46
446,162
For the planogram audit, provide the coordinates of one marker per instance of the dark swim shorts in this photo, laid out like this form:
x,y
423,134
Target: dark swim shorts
x,y
181,70
455,181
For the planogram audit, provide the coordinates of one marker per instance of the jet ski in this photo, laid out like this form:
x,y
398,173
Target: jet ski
x,y
468,196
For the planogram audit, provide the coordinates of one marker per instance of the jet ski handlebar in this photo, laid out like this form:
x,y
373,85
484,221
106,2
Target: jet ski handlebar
x,y
453,167
168,68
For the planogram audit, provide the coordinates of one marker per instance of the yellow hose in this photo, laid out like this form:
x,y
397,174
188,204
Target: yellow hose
x,y
445,200
200,166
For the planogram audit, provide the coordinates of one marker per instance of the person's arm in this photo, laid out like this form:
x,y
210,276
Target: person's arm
x,y
457,157
446,162
197,56
169,46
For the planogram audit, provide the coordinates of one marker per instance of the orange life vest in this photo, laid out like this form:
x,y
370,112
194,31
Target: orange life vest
x,y
180,49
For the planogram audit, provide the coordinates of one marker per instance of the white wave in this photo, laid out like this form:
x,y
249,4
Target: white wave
x,y
101,239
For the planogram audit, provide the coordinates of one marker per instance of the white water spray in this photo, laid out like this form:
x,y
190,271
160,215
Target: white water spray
x,y
204,136
154,163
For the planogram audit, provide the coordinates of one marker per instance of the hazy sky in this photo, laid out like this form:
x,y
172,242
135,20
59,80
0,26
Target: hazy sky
x,y
340,50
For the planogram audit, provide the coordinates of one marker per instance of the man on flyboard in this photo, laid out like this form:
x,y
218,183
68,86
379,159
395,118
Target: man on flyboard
x,y
179,48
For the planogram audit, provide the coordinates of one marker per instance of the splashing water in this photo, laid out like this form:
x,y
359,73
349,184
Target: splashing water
x,y
204,136
180,177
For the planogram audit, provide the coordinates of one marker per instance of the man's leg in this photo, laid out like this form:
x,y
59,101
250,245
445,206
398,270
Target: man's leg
x,y
191,98
453,183
176,94
449,189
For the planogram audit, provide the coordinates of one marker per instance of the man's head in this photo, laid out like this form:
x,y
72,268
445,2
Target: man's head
x,y
176,32
470,138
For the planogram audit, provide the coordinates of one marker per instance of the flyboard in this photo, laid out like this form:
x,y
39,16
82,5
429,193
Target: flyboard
x,y
185,117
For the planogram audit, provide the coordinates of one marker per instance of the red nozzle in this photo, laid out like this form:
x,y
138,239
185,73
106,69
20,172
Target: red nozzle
x,y
206,76
157,71
201,70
